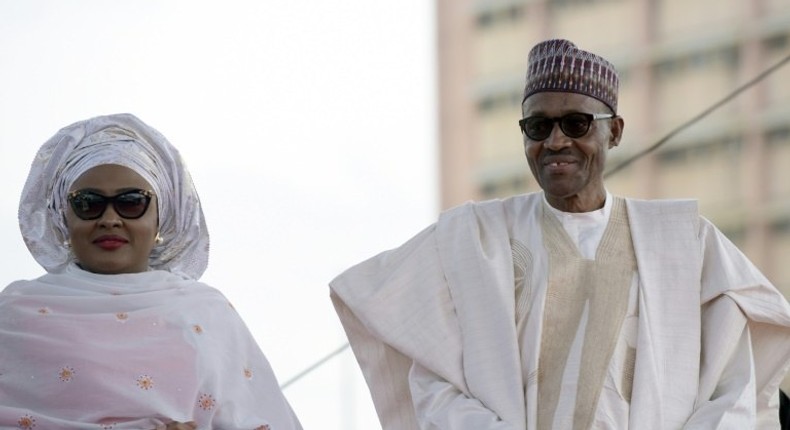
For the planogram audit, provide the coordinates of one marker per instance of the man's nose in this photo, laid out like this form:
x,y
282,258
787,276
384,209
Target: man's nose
x,y
557,139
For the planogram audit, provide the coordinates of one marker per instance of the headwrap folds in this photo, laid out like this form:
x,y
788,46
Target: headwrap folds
x,y
125,140
558,65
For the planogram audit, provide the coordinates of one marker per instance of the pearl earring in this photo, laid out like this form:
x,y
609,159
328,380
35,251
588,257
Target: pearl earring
x,y
158,239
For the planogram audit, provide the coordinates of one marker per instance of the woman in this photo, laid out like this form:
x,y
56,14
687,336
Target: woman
x,y
119,334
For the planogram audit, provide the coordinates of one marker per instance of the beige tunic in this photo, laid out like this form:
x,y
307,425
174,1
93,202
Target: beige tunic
x,y
583,316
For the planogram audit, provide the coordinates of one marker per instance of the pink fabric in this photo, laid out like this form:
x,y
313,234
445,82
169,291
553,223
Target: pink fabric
x,y
132,351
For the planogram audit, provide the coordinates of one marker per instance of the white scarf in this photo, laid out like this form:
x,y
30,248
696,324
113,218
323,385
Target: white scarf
x,y
133,351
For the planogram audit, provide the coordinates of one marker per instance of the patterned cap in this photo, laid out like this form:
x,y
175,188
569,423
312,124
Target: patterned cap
x,y
558,65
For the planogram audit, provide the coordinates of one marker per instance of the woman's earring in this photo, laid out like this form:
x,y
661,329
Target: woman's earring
x,y
158,239
67,243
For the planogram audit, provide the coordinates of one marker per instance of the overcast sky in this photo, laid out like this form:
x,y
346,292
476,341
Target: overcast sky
x,y
308,126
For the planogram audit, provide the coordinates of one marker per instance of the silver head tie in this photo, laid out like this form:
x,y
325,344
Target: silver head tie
x,y
125,140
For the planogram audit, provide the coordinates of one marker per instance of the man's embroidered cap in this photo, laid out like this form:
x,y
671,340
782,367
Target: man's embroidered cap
x,y
558,65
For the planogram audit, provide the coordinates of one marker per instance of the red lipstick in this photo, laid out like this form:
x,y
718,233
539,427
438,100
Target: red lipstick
x,y
110,242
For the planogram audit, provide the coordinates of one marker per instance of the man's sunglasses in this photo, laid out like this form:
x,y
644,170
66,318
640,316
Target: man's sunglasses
x,y
89,205
574,125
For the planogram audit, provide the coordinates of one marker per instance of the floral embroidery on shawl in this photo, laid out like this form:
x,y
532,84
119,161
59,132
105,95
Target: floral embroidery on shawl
x,y
206,402
27,422
145,382
66,373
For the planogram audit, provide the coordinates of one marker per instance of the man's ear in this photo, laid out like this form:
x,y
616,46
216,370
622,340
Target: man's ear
x,y
617,126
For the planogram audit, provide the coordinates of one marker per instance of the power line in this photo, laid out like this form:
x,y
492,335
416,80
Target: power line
x,y
317,364
611,172
697,118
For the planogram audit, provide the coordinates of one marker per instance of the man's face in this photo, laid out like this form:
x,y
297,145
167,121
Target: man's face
x,y
570,170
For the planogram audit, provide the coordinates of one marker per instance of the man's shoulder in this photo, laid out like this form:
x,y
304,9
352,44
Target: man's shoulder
x,y
662,206
493,209
497,203
664,218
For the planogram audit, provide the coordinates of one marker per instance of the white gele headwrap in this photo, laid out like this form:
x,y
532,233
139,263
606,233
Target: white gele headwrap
x,y
113,139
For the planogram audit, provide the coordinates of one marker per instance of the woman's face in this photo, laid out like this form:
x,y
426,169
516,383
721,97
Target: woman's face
x,y
111,243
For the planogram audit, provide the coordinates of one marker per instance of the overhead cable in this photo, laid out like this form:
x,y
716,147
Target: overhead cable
x,y
697,118
317,364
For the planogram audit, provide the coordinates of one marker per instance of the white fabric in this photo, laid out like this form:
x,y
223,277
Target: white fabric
x,y
584,228
113,139
131,351
445,301
613,410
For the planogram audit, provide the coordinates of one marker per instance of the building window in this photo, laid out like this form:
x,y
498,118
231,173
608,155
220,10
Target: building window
x,y
574,3
727,147
495,16
501,100
776,43
669,68
672,155
736,234
778,136
781,226
505,186
488,190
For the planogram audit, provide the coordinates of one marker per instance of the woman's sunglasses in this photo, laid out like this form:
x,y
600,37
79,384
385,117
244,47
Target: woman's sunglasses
x,y
89,205
574,125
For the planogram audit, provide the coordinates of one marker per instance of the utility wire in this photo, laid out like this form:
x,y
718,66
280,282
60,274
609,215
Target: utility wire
x,y
697,118
611,172
317,364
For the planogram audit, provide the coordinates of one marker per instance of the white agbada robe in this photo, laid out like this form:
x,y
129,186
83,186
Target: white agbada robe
x,y
132,351
713,337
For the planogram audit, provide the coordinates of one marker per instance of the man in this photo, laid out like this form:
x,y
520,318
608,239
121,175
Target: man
x,y
568,308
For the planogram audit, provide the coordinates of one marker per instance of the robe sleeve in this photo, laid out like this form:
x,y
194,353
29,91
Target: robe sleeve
x,y
398,312
441,406
745,340
727,389
396,309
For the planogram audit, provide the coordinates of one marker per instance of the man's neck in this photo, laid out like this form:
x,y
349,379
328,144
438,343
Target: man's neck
x,y
578,203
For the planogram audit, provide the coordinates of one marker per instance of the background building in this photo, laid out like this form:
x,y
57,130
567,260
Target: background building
x,y
676,58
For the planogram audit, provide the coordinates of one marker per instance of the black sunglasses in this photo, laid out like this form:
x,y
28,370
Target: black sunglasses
x,y
89,205
574,125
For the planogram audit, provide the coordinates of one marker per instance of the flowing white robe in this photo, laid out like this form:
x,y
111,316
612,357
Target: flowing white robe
x,y
80,350
713,337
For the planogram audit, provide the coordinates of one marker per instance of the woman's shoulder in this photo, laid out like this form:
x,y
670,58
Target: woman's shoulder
x,y
21,286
